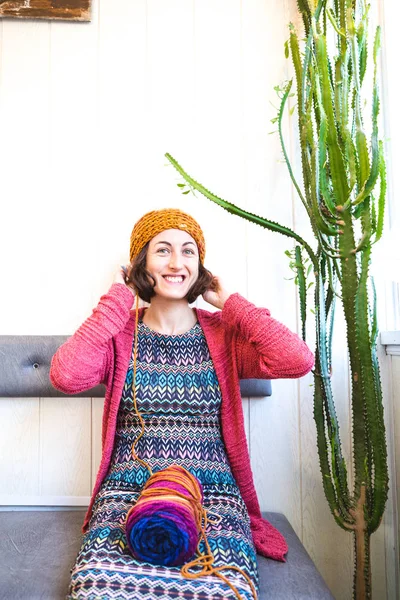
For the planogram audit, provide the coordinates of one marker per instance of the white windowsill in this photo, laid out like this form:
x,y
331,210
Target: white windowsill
x,y
391,339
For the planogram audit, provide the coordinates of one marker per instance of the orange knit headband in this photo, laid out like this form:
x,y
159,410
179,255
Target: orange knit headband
x,y
156,221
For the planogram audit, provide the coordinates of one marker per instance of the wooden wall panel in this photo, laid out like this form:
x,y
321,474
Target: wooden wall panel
x,y
321,533
19,447
65,440
169,85
396,404
384,557
216,159
389,530
97,413
274,426
24,152
73,204
122,130
246,414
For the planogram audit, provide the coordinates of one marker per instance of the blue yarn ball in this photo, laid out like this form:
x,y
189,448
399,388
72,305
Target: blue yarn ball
x,y
160,537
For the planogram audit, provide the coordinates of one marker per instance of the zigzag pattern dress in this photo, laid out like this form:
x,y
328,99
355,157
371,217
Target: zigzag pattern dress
x,y
179,398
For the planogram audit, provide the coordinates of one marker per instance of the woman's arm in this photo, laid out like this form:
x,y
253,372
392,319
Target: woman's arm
x,y
266,348
81,362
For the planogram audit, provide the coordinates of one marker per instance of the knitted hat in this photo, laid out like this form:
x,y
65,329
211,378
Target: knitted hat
x,y
156,221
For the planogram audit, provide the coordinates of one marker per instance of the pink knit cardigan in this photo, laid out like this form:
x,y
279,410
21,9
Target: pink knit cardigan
x,y
244,342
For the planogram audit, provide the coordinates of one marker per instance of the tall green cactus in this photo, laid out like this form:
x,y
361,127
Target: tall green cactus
x,y
344,189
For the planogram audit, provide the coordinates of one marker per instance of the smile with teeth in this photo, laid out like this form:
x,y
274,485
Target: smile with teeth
x,y
174,278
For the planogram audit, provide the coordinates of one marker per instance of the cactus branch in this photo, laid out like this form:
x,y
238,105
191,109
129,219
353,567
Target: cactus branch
x,y
240,212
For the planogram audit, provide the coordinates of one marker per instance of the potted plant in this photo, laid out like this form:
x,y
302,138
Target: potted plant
x,y
343,193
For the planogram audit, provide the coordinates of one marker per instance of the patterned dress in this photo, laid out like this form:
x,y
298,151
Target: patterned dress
x,y
179,398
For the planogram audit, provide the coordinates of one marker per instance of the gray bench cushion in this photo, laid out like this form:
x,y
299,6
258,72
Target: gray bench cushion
x,y
25,364
38,549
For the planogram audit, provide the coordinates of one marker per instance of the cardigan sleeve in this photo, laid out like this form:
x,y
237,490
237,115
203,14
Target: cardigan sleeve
x,y
81,362
266,349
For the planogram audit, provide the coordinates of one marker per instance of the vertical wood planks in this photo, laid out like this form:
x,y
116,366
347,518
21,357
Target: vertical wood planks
x,y
96,422
69,206
321,533
169,98
19,447
24,105
121,126
395,485
274,429
384,542
65,427
216,157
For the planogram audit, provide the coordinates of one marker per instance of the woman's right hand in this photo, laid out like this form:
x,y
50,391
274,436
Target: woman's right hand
x,y
121,276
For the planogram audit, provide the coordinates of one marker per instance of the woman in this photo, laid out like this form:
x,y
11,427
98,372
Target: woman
x,y
188,364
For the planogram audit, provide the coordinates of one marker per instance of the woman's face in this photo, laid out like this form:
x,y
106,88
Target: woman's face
x,y
173,260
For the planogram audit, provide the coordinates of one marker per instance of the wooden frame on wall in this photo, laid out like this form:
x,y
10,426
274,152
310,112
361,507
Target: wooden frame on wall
x,y
73,10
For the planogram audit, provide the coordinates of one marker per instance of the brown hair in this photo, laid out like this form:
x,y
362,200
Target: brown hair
x,y
144,282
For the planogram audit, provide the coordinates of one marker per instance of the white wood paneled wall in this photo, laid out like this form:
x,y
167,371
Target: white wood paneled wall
x,y
87,112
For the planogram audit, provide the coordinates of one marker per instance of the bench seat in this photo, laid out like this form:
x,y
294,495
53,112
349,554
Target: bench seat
x,y
39,547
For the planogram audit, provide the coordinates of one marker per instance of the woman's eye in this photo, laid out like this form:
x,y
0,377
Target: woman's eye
x,y
162,250
189,251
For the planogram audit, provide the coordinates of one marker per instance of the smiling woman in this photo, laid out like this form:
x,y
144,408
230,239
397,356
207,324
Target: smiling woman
x,y
173,411
75,10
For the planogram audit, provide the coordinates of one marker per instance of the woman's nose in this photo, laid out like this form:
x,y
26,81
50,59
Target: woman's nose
x,y
175,260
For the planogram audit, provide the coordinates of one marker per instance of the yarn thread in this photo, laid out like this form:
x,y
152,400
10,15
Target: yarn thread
x,y
169,512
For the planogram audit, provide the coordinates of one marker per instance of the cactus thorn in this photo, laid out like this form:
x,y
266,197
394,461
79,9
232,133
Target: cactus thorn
x,y
340,223
355,377
341,231
339,208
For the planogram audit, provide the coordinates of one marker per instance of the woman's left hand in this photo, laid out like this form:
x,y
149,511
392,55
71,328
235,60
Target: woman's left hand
x,y
217,294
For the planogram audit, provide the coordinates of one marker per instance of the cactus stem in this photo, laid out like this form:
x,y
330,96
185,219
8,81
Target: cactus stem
x,y
362,575
318,374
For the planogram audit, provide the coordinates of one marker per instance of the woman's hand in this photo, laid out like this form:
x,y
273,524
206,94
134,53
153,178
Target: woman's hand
x,y
216,295
121,276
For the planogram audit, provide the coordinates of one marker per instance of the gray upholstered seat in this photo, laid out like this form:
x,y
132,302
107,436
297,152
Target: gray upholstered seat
x,y
38,548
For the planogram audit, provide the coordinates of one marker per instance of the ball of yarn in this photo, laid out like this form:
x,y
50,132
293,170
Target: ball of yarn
x,y
163,527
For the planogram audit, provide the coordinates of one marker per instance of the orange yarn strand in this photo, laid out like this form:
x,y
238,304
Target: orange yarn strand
x,y
206,561
139,416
